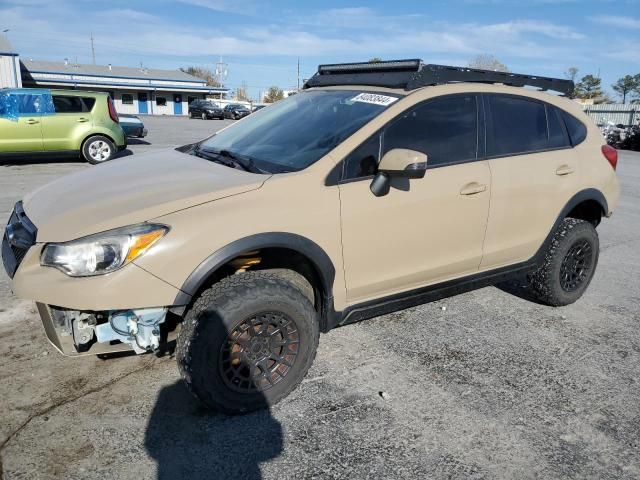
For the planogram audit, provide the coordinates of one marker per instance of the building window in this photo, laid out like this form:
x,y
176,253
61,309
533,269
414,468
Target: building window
x,y
127,99
161,101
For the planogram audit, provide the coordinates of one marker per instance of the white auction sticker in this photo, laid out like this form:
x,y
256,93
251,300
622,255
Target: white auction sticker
x,y
374,98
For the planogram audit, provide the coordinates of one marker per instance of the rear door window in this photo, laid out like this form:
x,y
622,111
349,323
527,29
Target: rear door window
x,y
515,126
577,130
558,137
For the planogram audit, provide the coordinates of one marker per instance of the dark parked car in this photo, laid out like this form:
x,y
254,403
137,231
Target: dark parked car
x,y
257,107
205,109
236,111
132,126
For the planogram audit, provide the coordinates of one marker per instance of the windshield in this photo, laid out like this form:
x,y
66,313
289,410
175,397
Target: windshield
x,y
293,133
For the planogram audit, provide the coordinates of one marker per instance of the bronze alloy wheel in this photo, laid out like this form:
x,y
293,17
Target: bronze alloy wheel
x,y
259,352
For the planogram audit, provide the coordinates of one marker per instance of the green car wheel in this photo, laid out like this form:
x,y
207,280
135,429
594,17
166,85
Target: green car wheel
x,y
98,149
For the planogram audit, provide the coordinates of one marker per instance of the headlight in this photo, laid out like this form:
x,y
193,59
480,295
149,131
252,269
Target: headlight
x,y
101,253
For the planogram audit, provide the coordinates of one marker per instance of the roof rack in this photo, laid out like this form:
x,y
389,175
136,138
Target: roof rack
x,y
413,73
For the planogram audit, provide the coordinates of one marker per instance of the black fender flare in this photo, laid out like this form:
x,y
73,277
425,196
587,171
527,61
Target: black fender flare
x,y
582,196
319,258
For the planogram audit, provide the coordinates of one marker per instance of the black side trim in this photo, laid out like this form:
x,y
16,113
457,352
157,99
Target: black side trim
x,y
300,244
430,293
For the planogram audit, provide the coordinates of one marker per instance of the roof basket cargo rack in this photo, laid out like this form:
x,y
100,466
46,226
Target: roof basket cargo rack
x,y
413,73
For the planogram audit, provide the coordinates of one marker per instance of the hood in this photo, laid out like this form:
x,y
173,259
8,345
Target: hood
x,y
130,190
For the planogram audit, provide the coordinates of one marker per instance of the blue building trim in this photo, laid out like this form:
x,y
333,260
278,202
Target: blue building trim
x,y
9,54
54,72
130,86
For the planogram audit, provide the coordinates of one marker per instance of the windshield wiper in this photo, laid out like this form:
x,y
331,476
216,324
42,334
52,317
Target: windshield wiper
x,y
245,163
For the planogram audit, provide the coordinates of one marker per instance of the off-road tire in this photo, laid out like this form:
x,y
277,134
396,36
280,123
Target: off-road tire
x,y
90,145
546,283
217,312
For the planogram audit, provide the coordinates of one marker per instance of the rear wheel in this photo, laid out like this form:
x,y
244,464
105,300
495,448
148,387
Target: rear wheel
x,y
247,342
98,149
569,265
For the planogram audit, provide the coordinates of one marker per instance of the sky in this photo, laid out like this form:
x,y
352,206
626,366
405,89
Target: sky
x,y
261,41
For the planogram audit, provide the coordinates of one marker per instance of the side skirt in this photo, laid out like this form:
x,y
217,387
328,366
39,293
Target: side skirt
x,y
419,296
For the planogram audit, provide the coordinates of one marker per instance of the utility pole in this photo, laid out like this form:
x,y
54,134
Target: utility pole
x,y
298,73
221,72
93,50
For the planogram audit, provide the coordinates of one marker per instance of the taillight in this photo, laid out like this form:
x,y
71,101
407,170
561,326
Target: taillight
x,y
112,110
610,154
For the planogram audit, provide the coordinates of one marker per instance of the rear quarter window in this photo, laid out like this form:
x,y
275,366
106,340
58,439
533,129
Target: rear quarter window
x,y
73,104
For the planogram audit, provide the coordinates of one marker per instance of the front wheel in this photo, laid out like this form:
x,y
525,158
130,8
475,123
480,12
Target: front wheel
x,y
569,264
98,149
204,116
247,342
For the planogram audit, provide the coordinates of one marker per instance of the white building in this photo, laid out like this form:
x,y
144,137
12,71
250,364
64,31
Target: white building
x,y
134,90
9,65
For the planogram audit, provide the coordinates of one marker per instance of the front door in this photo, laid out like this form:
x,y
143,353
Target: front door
x,y
20,124
142,102
177,104
423,231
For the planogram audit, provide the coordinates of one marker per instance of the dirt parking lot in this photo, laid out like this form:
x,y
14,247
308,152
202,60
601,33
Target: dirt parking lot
x,y
484,385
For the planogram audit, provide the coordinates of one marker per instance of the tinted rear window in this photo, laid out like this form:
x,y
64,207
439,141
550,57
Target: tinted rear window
x,y
517,125
72,104
577,130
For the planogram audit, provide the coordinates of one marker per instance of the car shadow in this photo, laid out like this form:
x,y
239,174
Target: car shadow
x,y
137,141
53,158
188,441
519,287
22,161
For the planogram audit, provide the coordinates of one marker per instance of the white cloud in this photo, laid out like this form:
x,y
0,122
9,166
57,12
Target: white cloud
x,y
617,21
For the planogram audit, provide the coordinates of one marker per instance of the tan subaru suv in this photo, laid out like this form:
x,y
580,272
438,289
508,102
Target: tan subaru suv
x,y
378,187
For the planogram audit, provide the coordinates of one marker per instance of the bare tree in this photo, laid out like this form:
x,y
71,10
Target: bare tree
x,y
571,74
273,95
203,73
241,92
488,62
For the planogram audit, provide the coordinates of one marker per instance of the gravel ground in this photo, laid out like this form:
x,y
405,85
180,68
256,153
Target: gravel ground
x,y
493,386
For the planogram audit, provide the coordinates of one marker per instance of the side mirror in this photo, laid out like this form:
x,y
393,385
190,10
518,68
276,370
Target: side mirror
x,y
402,162
398,163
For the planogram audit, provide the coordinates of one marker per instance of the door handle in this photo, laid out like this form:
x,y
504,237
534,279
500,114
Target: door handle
x,y
473,188
32,121
564,170
82,120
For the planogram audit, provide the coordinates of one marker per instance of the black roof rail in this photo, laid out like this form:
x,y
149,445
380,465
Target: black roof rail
x,y
413,73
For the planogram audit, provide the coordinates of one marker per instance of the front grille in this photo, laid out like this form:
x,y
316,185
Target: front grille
x,y
24,233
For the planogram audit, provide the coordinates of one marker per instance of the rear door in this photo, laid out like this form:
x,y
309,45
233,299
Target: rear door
x,y
20,131
534,173
71,124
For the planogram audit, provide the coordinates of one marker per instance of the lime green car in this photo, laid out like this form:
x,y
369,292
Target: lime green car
x,y
42,122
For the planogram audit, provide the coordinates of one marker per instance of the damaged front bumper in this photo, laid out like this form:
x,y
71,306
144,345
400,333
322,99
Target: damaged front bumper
x,y
75,332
